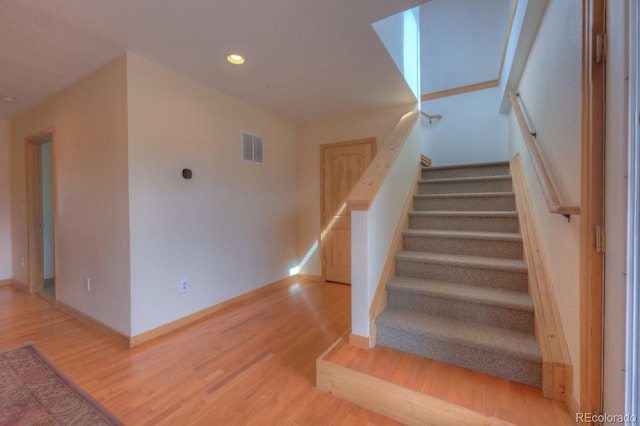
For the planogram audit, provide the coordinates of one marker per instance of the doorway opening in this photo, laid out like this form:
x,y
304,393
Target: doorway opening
x,y
41,214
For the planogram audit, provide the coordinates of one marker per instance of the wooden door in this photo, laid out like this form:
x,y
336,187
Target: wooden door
x,y
342,164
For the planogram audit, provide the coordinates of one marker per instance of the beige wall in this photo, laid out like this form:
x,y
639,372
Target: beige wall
x,y
378,123
5,203
231,228
90,159
551,92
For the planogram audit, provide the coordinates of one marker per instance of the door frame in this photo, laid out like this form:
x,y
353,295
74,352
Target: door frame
x,y
591,210
35,258
323,147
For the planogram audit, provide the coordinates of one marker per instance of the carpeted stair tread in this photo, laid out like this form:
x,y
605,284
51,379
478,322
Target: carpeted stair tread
x,y
493,263
460,291
465,220
465,185
466,170
465,179
512,343
466,195
516,300
465,201
467,166
465,213
469,235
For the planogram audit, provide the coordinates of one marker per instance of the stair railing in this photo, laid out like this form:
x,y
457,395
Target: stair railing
x,y
365,191
431,117
554,203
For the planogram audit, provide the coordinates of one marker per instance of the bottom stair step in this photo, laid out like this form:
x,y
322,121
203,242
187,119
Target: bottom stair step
x,y
504,353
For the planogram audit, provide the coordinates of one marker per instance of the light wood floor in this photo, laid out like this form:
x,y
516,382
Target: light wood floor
x,y
505,400
253,363
249,364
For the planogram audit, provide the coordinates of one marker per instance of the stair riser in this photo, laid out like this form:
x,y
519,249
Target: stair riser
x,y
502,185
508,280
497,316
471,247
496,364
494,170
461,203
480,224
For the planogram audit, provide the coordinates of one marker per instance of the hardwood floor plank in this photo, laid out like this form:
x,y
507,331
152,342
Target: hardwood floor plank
x,y
253,363
497,399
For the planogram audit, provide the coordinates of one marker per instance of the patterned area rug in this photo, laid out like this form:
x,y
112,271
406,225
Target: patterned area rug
x,y
34,392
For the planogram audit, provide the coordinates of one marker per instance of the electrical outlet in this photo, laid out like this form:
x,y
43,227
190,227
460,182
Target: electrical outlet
x,y
184,285
87,284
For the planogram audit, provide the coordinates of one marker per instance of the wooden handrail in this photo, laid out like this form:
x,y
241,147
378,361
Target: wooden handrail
x,y
425,161
554,203
364,192
431,117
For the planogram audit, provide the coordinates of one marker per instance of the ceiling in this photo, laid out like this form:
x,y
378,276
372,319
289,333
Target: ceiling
x,y
305,59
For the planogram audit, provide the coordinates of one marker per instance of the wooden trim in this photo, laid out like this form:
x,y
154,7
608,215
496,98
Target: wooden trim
x,y
556,361
20,286
362,141
93,323
203,314
425,161
309,277
359,341
554,204
572,406
591,198
398,403
460,90
365,191
5,282
379,301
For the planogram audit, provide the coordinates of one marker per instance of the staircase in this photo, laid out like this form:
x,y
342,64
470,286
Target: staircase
x,y
460,291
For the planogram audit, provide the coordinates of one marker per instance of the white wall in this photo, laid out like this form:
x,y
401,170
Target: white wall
x,y
400,34
615,209
228,230
448,29
526,22
551,92
471,129
376,123
373,231
90,137
5,204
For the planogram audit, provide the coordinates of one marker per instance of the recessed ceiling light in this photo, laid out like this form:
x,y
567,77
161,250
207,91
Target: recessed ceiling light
x,y
5,98
235,59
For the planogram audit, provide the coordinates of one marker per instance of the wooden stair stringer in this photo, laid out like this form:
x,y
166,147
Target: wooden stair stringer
x,y
548,331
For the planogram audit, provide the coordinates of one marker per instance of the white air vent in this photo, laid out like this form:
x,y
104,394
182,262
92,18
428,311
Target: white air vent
x,y
252,149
